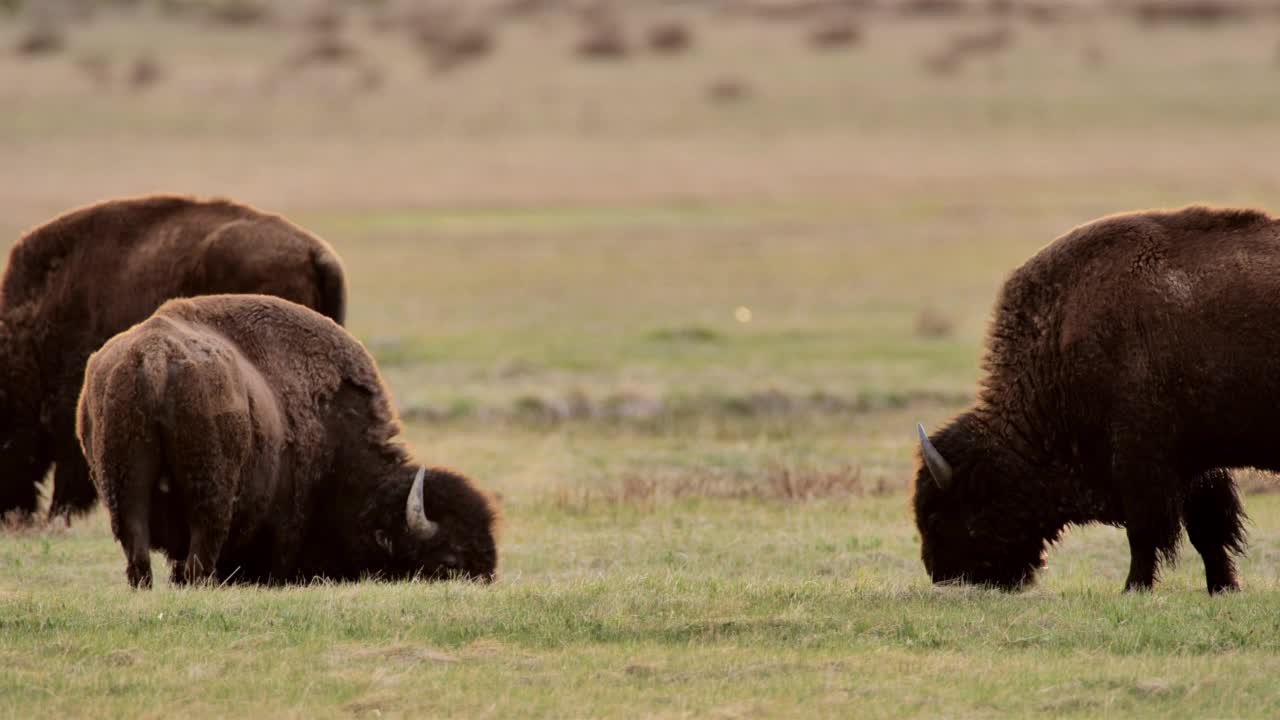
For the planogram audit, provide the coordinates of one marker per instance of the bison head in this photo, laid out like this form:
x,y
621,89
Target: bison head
x,y
975,525
446,531
23,458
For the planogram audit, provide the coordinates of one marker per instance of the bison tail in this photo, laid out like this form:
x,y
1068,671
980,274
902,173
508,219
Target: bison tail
x,y
333,286
153,376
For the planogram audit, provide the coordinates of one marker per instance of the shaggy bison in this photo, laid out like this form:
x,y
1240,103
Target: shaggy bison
x,y
1130,364
251,440
83,277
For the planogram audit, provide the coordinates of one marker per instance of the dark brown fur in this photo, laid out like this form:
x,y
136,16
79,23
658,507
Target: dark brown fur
x,y
1130,364
77,280
252,440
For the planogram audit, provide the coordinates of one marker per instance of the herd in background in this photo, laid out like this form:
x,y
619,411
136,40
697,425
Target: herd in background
x,y
184,361
450,34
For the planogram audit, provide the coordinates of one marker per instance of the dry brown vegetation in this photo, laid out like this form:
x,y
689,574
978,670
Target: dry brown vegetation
x,y
239,13
96,67
834,33
324,18
42,39
777,482
461,45
934,323
1192,11
728,89
934,7
603,37
670,37
145,72
964,46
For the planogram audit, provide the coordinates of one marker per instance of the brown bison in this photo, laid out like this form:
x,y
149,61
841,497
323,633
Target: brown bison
x,y
252,440
83,277
1130,364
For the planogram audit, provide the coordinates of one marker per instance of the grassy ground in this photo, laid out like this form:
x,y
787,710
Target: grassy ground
x,y
725,608
706,515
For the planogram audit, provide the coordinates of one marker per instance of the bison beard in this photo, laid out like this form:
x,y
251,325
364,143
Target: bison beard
x,y
1130,364
252,440
75,281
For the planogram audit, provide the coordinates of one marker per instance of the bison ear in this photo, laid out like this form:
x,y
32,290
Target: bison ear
x,y
938,466
415,514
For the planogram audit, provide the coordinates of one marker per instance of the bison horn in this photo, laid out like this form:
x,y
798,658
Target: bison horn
x,y
414,513
938,466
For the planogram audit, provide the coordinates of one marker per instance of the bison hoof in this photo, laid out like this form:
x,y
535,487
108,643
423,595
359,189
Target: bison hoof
x,y
1231,585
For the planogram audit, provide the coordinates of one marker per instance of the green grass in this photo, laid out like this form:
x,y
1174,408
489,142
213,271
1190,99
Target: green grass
x,y
696,607
547,258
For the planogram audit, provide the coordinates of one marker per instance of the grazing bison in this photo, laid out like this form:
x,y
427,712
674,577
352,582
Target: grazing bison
x,y
83,277
1130,364
252,440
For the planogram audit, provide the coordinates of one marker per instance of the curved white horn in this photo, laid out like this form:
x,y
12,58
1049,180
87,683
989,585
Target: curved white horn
x,y
938,466
414,513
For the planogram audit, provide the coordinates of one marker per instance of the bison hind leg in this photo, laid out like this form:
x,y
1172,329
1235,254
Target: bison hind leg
x,y
132,518
1215,525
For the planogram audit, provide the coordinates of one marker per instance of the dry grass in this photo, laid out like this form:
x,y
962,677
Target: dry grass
x,y
932,322
778,483
728,90
670,37
42,39
835,33
963,46
1256,482
603,39
324,18
1154,12
238,13
96,68
934,8
461,46
145,72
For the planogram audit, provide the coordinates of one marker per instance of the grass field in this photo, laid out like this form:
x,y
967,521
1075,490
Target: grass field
x,y
706,514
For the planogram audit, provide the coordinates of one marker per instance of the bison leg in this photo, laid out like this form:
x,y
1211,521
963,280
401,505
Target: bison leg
x,y
209,469
1215,525
23,463
131,518
1153,522
73,492
18,499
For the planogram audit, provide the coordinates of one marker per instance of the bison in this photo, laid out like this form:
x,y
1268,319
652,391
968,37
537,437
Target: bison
x,y
252,440
74,282
1130,364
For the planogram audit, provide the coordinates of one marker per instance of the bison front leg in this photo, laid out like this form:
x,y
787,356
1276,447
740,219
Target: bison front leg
x,y
1152,520
73,492
1215,525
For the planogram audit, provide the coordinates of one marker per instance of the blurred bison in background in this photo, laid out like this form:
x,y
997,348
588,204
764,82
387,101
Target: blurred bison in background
x,y
1130,363
74,282
252,440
